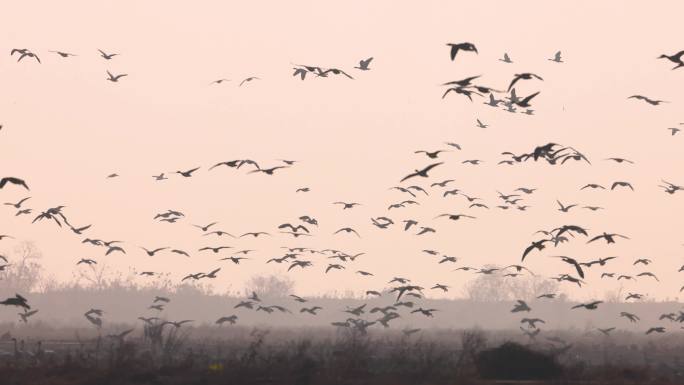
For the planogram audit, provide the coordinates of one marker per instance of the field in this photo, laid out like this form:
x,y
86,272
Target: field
x,y
325,355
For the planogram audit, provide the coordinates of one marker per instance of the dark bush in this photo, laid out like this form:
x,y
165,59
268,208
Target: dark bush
x,y
512,361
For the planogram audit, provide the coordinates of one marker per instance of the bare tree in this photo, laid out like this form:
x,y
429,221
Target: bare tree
x,y
496,287
272,286
24,271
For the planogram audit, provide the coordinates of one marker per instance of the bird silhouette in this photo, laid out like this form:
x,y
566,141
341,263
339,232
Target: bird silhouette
x,y
14,181
107,56
363,64
647,100
557,57
115,78
455,47
676,58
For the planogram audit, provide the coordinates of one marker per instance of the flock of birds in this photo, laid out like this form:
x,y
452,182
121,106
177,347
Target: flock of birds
x,y
403,295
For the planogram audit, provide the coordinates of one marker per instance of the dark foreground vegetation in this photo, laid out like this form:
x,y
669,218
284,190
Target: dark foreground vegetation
x,y
327,356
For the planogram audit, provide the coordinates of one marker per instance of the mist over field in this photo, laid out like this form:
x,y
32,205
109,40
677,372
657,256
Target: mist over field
x,y
311,192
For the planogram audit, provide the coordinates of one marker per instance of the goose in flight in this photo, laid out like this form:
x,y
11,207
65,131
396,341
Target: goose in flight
x,y
676,58
610,238
245,304
532,322
309,220
647,100
14,181
462,91
27,314
112,249
255,234
17,300
363,64
298,298
506,58
563,208
346,205
215,249
493,102
556,58
539,245
188,173
425,230
206,228
659,329
151,253
231,163
431,155
87,261
219,233
267,171
520,306
648,274
425,312
335,71
357,311
523,76
620,160
572,262
293,228
674,130
159,177
78,230
643,261
177,324
181,252
600,262
347,230
219,81
526,190
298,263
442,183
301,72
107,56
24,53
593,186
439,286
621,184
606,332
249,79
18,204
423,172
669,187
115,78
63,54
480,124
454,48
24,212
454,217
630,316
525,102
461,83
334,266
311,310
235,260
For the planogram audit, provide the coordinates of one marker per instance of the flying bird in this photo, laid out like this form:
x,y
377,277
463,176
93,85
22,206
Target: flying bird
x,y
363,64
647,100
14,181
423,172
469,47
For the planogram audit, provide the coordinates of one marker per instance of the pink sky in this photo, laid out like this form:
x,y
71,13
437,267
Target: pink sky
x,y
66,128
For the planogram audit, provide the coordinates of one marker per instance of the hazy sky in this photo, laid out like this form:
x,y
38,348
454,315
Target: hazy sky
x,y
66,128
